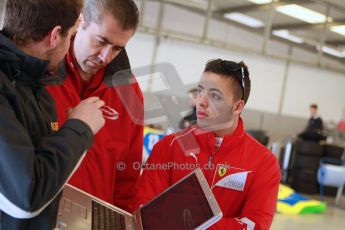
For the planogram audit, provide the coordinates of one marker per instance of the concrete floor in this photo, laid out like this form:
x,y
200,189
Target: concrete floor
x,y
332,219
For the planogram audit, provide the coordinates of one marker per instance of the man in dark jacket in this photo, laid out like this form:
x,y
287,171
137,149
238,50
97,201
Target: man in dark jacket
x,y
314,129
36,155
315,123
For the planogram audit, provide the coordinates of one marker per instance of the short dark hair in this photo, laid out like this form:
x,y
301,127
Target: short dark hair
x,y
124,11
313,106
32,20
232,71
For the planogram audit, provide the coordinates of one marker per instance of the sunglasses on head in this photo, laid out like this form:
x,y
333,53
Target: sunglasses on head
x,y
233,67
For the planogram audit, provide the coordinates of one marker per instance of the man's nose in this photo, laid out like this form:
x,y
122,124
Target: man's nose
x,y
104,55
202,100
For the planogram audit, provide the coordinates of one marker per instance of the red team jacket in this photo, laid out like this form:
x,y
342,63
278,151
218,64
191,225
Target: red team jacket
x,y
243,174
107,171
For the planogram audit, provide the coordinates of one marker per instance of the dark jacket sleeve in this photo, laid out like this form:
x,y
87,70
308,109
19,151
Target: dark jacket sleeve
x,y
32,176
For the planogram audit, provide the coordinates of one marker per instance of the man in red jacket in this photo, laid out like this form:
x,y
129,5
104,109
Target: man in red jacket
x,y
96,53
243,175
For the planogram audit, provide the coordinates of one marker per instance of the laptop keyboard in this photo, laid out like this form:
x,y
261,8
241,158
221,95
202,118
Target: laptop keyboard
x,y
104,218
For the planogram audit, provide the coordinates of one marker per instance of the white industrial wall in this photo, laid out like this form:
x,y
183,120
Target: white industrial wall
x,y
304,85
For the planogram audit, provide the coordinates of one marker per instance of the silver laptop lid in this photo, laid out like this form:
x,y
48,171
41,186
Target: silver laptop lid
x,y
188,204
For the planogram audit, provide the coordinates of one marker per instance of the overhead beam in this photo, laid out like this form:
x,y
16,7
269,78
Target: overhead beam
x,y
208,16
323,36
268,27
336,42
296,26
254,7
331,4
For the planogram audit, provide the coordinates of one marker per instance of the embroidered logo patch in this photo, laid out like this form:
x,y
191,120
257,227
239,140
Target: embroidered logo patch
x,y
110,113
230,177
234,181
222,171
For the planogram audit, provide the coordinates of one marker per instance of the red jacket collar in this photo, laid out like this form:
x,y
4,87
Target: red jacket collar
x,y
208,139
84,88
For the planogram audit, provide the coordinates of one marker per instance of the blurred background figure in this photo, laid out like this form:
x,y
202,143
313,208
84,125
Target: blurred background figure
x,y
314,129
190,118
315,122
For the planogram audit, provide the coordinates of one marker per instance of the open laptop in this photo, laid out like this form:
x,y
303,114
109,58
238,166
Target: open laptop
x,y
188,204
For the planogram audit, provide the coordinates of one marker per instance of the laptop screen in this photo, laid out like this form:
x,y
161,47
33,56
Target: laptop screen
x,y
183,206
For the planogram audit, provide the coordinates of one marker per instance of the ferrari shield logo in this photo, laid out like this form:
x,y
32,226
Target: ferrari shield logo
x,y
222,171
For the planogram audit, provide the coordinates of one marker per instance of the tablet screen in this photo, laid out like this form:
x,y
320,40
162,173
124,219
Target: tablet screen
x,y
183,206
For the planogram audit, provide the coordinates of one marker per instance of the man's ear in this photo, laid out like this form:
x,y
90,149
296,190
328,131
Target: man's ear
x,y
55,37
238,107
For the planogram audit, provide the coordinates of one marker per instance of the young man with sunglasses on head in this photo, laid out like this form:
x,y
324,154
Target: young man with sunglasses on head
x,y
243,174
96,54
36,155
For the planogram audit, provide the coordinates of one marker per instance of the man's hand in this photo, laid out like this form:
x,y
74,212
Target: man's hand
x,y
88,111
